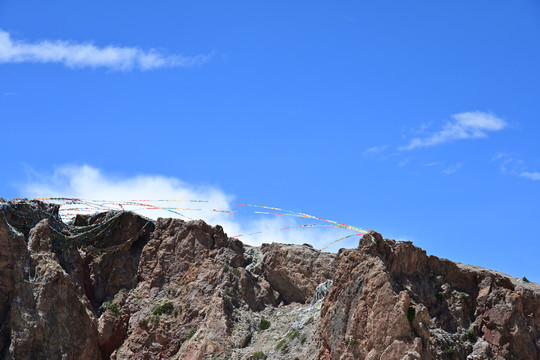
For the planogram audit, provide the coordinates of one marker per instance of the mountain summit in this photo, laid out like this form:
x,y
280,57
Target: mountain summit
x,y
120,286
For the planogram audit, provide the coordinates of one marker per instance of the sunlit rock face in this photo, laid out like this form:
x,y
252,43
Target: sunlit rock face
x,y
118,285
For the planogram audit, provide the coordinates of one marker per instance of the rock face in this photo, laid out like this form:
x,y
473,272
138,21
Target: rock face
x,y
391,301
120,286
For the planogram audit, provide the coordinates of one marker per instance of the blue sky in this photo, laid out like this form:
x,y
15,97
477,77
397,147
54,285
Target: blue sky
x,y
419,120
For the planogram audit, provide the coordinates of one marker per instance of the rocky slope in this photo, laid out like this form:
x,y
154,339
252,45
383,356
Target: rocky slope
x,y
119,286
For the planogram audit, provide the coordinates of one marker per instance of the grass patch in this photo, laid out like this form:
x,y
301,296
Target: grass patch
x,y
350,341
310,321
259,355
449,350
440,295
236,272
302,341
192,333
264,324
462,295
293,334
108,306
471,336
166,307
225,268
155,320
280,344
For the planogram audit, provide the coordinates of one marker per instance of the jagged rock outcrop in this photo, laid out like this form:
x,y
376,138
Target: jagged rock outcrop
x,y
390,300
295,271
118,285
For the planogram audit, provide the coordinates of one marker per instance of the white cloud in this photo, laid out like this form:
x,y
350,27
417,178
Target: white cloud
x,y
375,150
531,175
452,169
86,182
403,162
509,164
77,55
467,125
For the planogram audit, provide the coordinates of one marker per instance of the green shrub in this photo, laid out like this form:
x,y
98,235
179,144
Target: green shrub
x,y
143,321
108,306
462,295
280,344
303,341
284,348
350,341
155,320
449,350
471,336
236,272
259,355
310,320
225,268
166,307
191,333
293,334
264,324
441,295
411,313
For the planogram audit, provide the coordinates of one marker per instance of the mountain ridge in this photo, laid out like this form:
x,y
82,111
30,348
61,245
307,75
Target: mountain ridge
x,y
118,285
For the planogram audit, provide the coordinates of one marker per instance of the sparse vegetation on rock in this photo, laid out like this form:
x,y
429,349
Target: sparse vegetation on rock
x,y
264,324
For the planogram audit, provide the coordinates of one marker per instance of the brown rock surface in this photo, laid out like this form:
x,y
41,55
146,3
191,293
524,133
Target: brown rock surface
x,y
117,285
295,271
365,313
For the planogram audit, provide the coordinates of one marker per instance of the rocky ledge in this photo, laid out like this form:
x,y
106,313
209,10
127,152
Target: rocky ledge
x,y
120,286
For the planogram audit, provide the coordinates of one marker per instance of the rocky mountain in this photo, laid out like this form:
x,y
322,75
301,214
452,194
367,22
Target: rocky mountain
x,y
119,286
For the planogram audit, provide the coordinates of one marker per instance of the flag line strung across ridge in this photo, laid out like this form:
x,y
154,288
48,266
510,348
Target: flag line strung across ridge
x,y
70,207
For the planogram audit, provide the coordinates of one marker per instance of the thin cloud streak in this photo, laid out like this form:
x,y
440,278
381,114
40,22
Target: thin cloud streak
x,y
467,125
452,169
375,150
77,55
531,175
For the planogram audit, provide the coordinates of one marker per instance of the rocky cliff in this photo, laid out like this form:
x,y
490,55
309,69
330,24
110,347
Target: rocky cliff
x,y
120,286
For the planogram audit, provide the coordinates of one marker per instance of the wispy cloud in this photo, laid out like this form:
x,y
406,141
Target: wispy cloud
x,y
452,169
531,175
87,182
81,55
375,150
509,164
467,125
